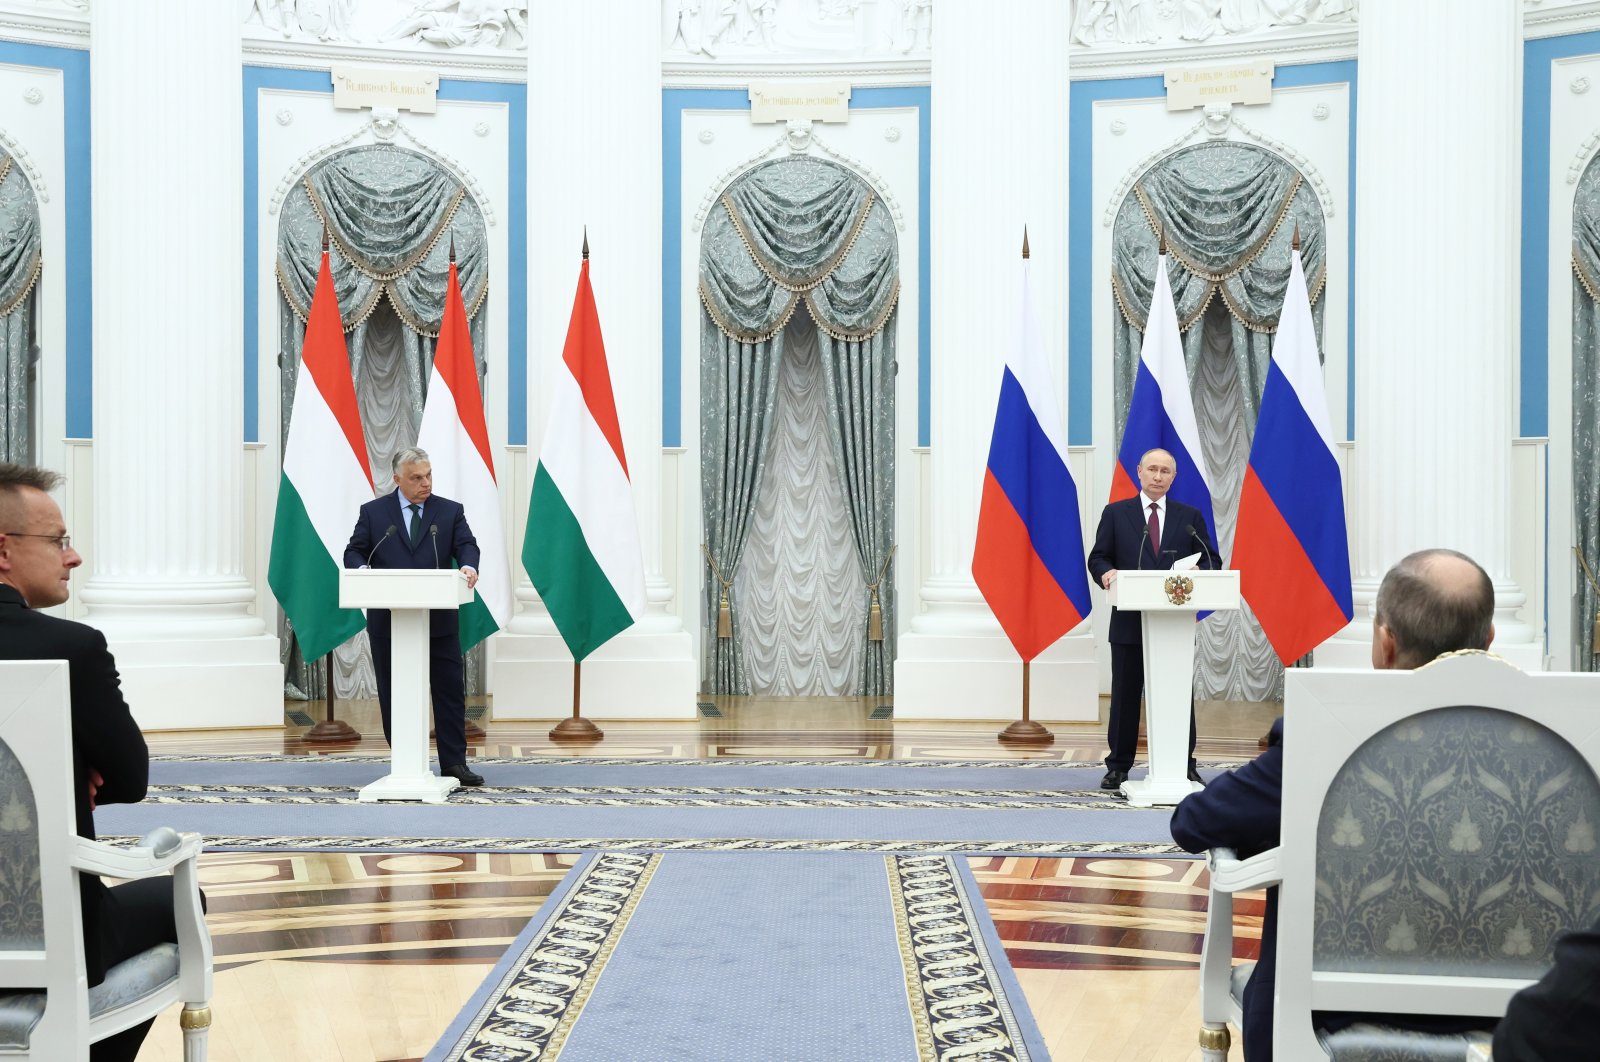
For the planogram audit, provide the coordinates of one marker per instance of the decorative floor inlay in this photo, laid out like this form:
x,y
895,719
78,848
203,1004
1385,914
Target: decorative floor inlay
x,y
646,761
958,1007
530,1013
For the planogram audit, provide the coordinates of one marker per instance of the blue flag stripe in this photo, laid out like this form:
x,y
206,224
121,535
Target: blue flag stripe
x,y
1302,478
1149,428
1041,489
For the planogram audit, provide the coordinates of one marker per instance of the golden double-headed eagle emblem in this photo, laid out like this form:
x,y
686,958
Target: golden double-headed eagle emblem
x,y
1178,588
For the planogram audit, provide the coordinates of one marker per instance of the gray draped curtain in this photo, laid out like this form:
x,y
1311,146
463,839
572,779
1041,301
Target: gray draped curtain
x,y
1586,412
391,217
798,230
21,260
1228,212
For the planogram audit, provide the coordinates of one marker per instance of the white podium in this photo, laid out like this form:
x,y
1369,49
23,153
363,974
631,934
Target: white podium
x,y
1167,602
408,594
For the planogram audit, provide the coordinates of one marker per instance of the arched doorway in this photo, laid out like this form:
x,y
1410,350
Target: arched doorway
x,y
1229,212
799,281
391,215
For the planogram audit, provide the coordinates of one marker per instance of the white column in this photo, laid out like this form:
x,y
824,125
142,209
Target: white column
x,y
998,156
595,160
167,581
1438,195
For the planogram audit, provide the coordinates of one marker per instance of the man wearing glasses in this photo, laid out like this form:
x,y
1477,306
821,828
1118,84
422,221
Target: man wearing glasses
x,y
110,763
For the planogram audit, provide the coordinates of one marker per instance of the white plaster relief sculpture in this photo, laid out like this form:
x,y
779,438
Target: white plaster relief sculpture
x,y
464,24
745,30
417,25
1112,24
20,154
323,20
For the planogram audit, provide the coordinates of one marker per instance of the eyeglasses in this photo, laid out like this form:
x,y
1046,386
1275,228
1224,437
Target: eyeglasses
x,y
63,542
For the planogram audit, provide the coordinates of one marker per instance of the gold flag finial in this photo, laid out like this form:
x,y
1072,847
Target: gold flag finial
x,y
1024,241
586,243
452,246
324,239
1296,244
1161,242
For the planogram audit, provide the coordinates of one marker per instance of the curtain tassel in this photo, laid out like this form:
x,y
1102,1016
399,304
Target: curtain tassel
x,y
875,619
724,617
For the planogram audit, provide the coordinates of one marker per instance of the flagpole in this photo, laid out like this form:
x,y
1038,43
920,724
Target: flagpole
x,y
1025,731
330,729
577,728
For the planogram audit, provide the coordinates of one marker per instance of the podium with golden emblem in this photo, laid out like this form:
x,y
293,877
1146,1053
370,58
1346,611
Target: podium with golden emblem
x,y
1167,602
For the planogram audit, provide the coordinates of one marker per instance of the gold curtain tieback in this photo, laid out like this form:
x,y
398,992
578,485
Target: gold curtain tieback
x,y
724,608
875,610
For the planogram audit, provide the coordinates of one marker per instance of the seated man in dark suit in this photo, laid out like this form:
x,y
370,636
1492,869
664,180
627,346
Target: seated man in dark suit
x,y
412,527
110,764
1433,602
1559,1017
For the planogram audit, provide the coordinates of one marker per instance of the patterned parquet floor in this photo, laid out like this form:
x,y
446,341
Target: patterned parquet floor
x,y
366,957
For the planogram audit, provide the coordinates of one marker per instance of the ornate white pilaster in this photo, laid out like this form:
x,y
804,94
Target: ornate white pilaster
x,y
1437,286
595,160
167,581
998,155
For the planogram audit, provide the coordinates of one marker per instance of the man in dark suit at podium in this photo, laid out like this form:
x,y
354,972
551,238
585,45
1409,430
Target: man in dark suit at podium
x,y
415,528
1148,530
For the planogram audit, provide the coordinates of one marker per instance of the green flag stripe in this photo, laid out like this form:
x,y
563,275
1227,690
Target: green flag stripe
x,y
581,600
476,621
306,580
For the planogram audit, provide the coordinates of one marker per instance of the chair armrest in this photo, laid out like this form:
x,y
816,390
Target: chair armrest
x,y
1229,873
155,854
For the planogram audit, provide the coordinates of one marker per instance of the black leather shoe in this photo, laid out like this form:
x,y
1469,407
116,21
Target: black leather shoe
x,y
1113,779
1194,776
462,773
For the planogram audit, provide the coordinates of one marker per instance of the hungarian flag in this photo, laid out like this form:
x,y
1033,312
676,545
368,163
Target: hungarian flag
x,y
1290,546
325,481
1028,560
456,437
582,545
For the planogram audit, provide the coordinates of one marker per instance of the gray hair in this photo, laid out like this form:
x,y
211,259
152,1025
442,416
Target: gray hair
x,y
411,455
14,478
1158,450
1430,612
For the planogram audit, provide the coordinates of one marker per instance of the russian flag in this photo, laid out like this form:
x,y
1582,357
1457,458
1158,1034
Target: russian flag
x,y
1161,413
1028,561
1290,548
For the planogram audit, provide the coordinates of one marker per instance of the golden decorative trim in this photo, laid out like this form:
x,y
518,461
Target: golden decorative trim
x,y
882,319
22,296
742,336
1249,255
1125,305
1215,1039
921,1027
415,324
827,270
591,976
191,1019
1589,283
5,168
410,263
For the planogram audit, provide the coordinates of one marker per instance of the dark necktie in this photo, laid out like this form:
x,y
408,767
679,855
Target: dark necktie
x,y
1155,533
416,523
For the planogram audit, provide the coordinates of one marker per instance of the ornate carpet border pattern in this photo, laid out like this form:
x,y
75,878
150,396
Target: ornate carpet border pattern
x,y
261,794
656,844
958,1005
529,1014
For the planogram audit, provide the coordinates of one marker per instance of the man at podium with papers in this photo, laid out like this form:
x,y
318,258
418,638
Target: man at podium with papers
x,y
1153,531
415,528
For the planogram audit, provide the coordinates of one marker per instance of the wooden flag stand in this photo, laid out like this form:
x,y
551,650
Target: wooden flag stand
x,y
1025,731
577,728
331,729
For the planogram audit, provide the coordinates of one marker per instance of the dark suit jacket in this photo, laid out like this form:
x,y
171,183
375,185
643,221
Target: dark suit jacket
x,y
1122,542
454,542
104,735
1559,1017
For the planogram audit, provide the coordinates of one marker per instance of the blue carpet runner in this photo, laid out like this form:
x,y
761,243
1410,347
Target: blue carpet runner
x,y
762,956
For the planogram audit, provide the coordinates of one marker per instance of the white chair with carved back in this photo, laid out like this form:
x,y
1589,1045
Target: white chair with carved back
x,y
1439,835
47,1010
1221,980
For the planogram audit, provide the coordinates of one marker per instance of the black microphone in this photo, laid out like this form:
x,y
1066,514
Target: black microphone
x,y
433,536
381,541
1143,537
1211,558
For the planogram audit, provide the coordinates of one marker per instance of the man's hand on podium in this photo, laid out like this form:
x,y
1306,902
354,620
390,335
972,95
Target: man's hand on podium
x,y
1105,580
472,577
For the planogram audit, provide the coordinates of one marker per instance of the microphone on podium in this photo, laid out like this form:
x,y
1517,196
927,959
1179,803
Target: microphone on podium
x,y
380,542
433,537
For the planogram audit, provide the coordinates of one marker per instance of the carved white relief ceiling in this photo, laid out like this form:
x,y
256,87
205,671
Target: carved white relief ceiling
x,y
735,31
1113,24
413,25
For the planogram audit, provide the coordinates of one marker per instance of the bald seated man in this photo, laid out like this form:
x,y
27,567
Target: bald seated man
x,y
1433,602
